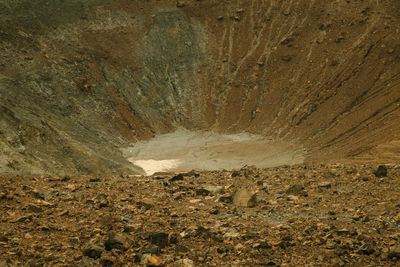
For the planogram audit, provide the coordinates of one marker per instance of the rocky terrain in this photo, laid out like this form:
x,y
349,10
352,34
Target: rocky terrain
x,y
84,84
301,215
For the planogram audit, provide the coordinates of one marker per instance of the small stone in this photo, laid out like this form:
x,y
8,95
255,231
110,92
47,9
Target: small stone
x,y
225,199
160,239
184,263
154,261
214,210
181,249
295,189
292,198
93,249
342,232
117,241
180,4
213,189
381,171
244,198
94,180
178,177
394,253
325,185
34,208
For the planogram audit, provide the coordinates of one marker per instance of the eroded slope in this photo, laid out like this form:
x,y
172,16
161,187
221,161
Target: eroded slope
x,y
80,79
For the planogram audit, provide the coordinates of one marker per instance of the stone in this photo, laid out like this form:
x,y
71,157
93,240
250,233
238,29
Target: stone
x,y
160,239
117,241
184,263
154,261
226,199
34,208
394,253
325,185
88,262
244,198
213,189
381,171
178,177
93,249
295,189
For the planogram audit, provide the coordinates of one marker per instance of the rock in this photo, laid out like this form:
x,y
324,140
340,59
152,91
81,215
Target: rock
x,y
117,241
342,232
154,261
94,180
181,249
226,199
34,208
232,233
262,245
213,189
107,259
292,198
394,253
214,211
184,263
325,185
244,198
93,249
180,4
178,177
381,171
88,262
295,189
160,239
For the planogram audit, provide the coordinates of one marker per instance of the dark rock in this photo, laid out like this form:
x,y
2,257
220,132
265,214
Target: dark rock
x,y
94,179
226,199
262,245
202,192
160,239
117,241
394,253
34,208
325,185
88,262
214,210
381,171
178,177
295,189
366,249
181,249
65,179
93,249
342,232
173,238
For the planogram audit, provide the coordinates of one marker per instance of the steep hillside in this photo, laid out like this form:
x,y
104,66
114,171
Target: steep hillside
x,y
81,79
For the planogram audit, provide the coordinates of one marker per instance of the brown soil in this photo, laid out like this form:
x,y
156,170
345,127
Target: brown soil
x,y
320,215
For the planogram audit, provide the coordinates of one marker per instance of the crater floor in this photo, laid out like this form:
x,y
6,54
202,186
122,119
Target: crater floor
x,y
186,150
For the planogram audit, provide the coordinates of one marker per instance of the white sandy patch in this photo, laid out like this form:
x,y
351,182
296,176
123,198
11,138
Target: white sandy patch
x,y
151,166
184,150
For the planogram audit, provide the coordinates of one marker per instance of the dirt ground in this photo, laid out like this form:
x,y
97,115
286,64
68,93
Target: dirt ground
x,y
301,215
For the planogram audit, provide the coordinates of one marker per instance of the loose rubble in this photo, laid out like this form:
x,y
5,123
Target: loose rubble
x,y
315,214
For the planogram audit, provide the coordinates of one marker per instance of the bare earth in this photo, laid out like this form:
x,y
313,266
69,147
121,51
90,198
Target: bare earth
x,y
320,215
